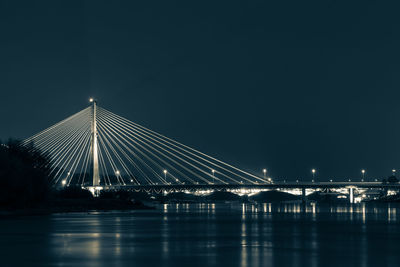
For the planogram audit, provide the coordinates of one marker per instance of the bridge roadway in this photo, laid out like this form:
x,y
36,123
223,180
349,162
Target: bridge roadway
x,y
276,185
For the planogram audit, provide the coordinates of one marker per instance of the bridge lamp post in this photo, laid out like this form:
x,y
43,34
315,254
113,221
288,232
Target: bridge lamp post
x,y
363,175
393,172
265,173
313,171
165,174
64,182
117,174
213,174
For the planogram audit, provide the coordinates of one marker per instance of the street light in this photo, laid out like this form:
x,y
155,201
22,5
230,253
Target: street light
x,y
64,182
265,173
91,99
117,172
165,174
313,171
363,175
393,172
213,174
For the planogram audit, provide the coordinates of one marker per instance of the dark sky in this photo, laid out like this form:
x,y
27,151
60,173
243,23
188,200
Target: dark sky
x,y
286,85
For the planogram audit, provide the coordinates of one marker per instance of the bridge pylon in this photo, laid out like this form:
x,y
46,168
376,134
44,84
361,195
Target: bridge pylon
x,y
94,145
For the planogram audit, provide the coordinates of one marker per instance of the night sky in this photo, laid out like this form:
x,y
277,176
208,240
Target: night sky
x,y
285,85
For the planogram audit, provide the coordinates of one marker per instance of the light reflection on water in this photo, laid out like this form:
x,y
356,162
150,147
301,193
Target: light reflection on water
x,y
208,235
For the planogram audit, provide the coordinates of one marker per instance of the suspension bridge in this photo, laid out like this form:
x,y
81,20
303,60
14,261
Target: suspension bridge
x,y
99,150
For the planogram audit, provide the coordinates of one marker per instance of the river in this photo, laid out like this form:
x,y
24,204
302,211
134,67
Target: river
x,y
234,234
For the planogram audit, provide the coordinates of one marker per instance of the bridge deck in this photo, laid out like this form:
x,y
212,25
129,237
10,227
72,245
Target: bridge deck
x,y
300,185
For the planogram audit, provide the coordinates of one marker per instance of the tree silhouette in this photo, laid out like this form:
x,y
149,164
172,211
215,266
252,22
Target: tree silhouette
x,y
24,175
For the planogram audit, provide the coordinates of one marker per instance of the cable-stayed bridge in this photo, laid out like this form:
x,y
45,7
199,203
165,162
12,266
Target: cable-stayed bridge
x,y
98,148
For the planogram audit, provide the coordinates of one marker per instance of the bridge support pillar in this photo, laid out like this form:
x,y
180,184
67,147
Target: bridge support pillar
x,y
351,195
385,191
303,195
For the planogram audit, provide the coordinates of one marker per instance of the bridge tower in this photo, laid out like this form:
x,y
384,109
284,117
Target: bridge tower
x,y
94,145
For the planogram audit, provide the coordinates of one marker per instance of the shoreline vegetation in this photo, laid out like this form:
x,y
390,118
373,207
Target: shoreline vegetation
x,y
26,190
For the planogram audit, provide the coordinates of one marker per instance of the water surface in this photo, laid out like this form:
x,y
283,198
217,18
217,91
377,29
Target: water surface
x,y
208,235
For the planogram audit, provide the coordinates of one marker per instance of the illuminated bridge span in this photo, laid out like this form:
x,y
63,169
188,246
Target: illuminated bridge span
x,y
97,148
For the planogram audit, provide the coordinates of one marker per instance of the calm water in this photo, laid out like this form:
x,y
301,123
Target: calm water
x,y
208,235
